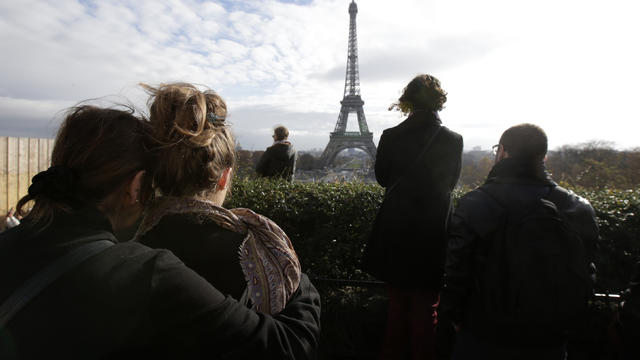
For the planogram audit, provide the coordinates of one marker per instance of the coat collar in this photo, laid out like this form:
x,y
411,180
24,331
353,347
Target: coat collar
x,y
427,116
516,170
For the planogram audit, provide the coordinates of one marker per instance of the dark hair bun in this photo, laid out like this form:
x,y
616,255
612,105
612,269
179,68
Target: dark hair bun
x,y
57,183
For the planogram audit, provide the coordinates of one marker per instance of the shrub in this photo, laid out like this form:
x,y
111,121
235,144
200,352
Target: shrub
x,y
329,223
618,213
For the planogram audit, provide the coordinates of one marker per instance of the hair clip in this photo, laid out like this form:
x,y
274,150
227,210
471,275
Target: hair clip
x,y
211,117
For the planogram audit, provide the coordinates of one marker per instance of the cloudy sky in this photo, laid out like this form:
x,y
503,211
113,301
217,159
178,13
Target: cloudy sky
x,y
571,66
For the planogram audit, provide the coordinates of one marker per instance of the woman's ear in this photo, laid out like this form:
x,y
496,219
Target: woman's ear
x,y
134,189
224,179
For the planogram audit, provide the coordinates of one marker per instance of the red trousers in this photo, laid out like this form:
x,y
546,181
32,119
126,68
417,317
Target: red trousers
x,y
411,322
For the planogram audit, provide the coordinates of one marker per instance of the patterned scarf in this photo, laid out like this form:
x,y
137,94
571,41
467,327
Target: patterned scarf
x,y
268,260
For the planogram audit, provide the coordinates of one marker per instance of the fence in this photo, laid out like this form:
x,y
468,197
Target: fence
x,y
373,284
20,160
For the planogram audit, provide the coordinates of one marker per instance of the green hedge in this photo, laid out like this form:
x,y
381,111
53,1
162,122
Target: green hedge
x,y
618,213
327,223
330,222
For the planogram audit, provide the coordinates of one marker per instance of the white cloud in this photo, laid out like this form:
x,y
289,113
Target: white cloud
x,y
41,119
570,66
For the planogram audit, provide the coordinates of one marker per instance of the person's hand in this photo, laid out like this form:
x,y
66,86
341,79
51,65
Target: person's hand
x,y
11,220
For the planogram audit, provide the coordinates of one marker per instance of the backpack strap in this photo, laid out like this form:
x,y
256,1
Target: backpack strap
x,y
555,197
415,162
38,282
492,197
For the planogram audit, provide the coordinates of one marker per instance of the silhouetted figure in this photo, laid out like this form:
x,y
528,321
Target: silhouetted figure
x,y
418,162
279,160
518,258
630,318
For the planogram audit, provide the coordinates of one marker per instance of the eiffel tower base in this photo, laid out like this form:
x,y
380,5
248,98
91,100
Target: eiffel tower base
x,y
339,142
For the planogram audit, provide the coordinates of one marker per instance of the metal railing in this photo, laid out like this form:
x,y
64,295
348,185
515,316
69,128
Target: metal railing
x,y
614,297
347,282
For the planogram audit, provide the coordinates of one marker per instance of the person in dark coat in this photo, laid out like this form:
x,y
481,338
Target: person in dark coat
x,y
418,162
126,301
517,181
240,252
629,321
279,160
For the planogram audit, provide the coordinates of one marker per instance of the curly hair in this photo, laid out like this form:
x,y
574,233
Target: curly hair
x,y
424,92
194,140
281,132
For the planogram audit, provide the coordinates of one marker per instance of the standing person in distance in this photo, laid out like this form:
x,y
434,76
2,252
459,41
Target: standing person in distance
x,y
279,160
418,163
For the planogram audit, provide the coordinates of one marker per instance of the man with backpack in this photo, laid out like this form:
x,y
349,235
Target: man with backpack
x,y
518,258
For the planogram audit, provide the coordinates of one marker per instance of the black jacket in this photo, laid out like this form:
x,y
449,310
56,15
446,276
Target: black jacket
x,y
130,300
630,317
204,247
278,161
411,224
479,216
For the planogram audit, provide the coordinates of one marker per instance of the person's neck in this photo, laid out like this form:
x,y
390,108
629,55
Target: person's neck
x,y
428,114
216,197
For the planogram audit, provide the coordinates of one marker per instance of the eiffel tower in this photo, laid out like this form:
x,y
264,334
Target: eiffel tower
x,y
340,138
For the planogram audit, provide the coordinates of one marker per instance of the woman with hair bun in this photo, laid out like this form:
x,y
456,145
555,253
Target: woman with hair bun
x,y
241,253
69,290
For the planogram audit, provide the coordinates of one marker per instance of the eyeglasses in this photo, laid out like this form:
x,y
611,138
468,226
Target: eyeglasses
x,y
494,149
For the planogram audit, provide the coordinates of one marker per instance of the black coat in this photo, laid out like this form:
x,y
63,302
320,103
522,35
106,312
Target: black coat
x,y
411,224
278,161
479,216
132,300
630,317
204,246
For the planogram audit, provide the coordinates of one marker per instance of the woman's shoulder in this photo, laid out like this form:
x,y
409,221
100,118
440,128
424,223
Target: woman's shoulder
x,y
451,140
451,134
192,238
131,263
189,214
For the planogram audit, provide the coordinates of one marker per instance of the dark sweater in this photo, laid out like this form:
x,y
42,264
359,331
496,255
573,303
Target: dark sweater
x,y
130,300
205,247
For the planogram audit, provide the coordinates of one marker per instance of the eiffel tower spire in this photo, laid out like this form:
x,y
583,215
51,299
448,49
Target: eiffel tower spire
x,y
352,80
340,138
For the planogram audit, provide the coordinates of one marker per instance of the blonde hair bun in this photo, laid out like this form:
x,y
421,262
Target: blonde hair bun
x,y
194,141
